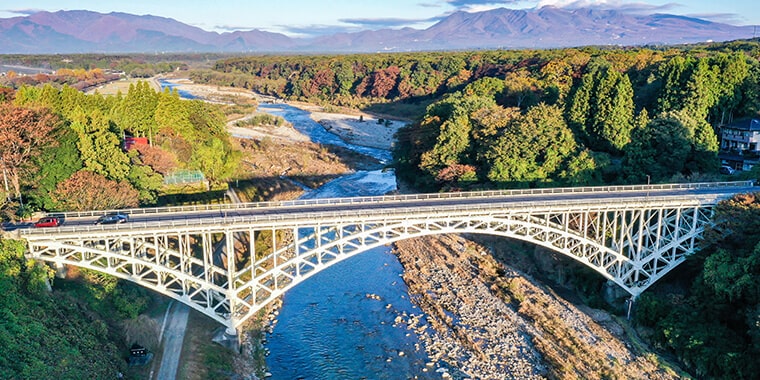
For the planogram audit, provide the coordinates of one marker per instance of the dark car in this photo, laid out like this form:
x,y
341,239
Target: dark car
x,y
726,170
48,221
114,218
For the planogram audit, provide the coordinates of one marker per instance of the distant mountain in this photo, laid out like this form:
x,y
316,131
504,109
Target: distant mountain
x,y
547,27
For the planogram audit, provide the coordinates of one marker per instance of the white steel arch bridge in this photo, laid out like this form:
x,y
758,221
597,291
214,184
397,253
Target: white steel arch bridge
x,y
229,261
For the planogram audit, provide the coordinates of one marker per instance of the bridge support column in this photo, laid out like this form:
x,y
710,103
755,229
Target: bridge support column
x,y
60,270
227,337
612,293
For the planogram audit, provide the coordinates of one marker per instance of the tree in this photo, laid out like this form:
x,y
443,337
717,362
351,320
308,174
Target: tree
x,y
612,112
86,190
534,148
658,150
25,133
215,160
136,111
520,89
454,131
99,146
601,109
55,165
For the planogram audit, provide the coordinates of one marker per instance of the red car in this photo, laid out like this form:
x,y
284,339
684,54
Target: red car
x,y
48,221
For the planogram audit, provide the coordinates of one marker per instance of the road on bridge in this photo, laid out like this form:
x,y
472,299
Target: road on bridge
x,y
148,217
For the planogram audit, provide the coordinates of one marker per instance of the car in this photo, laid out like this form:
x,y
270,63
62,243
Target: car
x,y
48,221
113,218
725,169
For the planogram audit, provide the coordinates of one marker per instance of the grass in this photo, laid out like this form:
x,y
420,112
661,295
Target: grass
x,y
201,358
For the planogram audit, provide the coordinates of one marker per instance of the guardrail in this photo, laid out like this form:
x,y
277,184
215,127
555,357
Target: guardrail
x,y
310,217
409,197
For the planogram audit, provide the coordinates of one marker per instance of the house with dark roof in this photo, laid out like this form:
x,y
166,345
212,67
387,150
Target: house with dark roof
x,y
740,144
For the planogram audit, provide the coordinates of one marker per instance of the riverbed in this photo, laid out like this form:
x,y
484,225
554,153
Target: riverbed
x,y
341,323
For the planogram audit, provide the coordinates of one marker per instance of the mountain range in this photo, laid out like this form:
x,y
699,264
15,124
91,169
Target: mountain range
x,y
546,27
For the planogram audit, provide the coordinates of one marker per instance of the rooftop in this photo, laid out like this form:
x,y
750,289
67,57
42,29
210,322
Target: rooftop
x,y
745,125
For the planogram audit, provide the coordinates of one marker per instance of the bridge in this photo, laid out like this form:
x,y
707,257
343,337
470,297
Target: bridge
x,y
229,261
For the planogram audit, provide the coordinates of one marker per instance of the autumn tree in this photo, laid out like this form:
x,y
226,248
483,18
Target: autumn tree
x,y
521,89
25,133
86,190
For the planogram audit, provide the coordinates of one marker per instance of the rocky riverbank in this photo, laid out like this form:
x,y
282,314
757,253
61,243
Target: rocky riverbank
x,y
493,322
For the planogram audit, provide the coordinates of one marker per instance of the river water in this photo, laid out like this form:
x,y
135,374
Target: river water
x,y
339,324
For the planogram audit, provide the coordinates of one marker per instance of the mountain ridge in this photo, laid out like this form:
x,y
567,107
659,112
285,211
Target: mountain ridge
x,y
81,31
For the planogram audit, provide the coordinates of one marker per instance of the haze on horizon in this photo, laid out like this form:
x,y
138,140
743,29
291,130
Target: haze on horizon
x,y
305,18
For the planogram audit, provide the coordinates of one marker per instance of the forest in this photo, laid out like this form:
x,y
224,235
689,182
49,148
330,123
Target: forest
x,y
63,150
571,117
503,119
479,120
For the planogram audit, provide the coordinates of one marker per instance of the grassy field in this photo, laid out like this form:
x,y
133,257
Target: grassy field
x,y
122,85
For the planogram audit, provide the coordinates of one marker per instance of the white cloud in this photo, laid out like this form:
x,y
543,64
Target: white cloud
x,y
578,3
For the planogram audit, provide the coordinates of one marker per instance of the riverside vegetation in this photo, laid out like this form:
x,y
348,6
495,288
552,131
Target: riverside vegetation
x,y
494,119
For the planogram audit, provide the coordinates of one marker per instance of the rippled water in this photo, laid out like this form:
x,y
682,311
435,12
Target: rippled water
x,y
176,86
339,324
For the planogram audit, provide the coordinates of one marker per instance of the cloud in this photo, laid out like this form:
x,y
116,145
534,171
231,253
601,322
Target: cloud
x,y
22,12
631,7
229,28
315,30
479,3
381,23
429,5
726,18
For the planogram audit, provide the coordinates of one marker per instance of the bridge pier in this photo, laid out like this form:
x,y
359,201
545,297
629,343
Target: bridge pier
x,y
612,293
227,337
60,270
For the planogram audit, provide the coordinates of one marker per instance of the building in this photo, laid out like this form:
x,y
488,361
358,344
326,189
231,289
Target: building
x,y
740,144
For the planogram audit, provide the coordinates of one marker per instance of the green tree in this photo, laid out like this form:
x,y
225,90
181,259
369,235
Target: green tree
x,y
533,148
99,146
217,161
55,165
658,150
452,144
136,111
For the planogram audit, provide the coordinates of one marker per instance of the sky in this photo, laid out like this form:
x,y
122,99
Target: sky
x,y
301,18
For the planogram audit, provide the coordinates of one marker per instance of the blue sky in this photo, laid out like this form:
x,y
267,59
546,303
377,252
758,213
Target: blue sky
x,y
310,17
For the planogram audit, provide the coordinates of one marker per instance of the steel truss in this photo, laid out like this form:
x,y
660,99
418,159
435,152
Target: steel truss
x,y
230,270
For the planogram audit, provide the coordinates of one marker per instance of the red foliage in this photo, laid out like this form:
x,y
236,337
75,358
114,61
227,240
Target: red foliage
x,y
24,133
454,172
86,190
160,160
384,81
6,94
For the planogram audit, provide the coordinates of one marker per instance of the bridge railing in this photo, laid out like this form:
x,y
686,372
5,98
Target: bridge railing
x,y
407,197
437,210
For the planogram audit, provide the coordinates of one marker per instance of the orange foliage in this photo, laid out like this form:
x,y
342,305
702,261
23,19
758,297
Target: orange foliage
x,y
160,160
86,190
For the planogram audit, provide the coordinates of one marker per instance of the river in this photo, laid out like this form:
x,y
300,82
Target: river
x,y
339,324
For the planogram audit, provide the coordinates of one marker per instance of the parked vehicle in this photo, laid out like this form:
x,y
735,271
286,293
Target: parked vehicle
x,y
113,218
48,221
727,170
